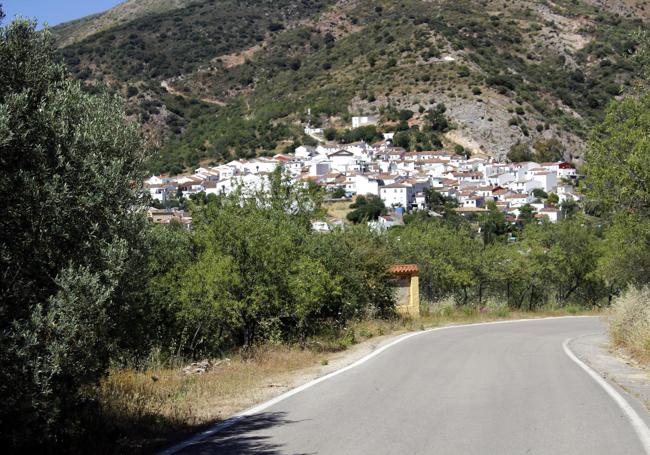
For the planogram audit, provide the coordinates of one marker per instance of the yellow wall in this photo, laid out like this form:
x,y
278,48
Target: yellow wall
x,y
412,306
414,301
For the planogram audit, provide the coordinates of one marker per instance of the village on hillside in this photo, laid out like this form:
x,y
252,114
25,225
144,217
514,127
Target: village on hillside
x,y
399,178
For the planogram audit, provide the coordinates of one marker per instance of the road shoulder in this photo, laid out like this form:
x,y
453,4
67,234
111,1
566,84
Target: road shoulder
x,y
595,350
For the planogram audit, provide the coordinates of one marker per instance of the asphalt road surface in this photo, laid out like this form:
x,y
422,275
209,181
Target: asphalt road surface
x,y
487,389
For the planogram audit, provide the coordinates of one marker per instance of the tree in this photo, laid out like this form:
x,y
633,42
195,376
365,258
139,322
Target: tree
x,y
569,207
258,272
553,199
338,193
402,139
625,257
617,168
563,257
618,157
330,133
460,150
526,214
540,193
70,239
445,254
520,152
366,209
436,119
548,150
440,204
494,226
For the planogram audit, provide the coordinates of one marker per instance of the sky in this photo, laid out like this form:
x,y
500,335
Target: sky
x,y
54,11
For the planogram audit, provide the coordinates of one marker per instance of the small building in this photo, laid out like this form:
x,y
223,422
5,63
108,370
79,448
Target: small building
x,y
407,283
364,120
320,226
169,216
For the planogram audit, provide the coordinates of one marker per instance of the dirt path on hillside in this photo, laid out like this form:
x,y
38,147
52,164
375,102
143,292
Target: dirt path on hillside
x,y
172,91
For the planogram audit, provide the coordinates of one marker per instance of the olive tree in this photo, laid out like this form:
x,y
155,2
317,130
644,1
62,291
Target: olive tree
x,y
70,237
618,171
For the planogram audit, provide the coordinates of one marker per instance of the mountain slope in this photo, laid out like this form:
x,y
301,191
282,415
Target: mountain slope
x,y
74,31
218,79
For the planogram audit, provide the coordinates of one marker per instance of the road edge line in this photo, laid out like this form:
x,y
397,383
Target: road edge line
x,y
638,424
199,437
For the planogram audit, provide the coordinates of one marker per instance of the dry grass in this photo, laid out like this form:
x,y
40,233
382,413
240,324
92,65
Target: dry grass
x,y
629,323
338,209
151,408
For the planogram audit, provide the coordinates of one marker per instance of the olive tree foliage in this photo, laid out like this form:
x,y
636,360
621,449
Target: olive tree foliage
x,y
70,235
549,264
254,272
618,171
618,157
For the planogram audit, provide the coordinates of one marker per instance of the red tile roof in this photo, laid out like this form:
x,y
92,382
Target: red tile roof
x,y
404,269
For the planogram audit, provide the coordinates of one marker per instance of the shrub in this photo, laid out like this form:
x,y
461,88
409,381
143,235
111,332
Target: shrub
x,y
443,308
629,322
71,290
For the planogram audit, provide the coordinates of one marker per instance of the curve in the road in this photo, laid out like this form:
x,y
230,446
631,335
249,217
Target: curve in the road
x,y
506,390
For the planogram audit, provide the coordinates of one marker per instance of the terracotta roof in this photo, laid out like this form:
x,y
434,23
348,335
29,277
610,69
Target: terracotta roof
x,y
404,269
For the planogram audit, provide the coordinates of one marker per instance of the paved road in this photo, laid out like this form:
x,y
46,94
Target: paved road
x,y
488,389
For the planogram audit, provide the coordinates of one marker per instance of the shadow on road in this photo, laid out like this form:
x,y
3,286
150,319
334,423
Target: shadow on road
x,y
244,438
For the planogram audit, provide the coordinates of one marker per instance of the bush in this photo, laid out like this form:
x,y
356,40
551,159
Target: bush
x,y
255,272
70,238
442,308
366,209
629,322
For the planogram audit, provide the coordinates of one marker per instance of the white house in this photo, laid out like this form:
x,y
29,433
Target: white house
x,y
320,226
154,180
342,160
420,201
384,222
546,179
305,151
326,149
396,195
319,167
216,187
225,172
567,171
364,120
366,185
516,200
553,214
260,165
394,153
294,167
359,149
161,191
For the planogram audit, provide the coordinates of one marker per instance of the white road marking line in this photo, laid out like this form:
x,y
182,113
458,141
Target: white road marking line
x,y
263,406
640,427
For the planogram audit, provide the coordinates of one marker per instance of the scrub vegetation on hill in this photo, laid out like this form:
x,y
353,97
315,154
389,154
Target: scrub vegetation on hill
x,y
244,74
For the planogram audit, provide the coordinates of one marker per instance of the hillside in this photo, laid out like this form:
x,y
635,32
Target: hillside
x,y
218,79
74,31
